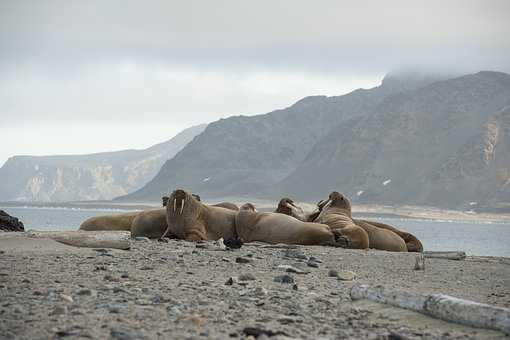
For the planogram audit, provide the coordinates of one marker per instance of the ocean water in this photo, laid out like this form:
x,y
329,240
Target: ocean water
x,y
475,238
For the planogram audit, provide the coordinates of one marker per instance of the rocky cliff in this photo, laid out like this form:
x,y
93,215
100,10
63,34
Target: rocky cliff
x,y
414,139
99,176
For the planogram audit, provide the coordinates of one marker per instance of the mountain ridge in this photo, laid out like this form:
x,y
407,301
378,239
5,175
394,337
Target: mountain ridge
x,y
247,155
97,176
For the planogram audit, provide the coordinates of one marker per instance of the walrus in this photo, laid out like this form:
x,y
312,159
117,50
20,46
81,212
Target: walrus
x,y
249,207
336,213
152,223
378,238
287,206
149,223
110,222
273,227
226,205
189,219
382,239
411,241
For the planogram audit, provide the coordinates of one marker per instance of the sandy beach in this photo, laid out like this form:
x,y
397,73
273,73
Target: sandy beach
x,y
184,290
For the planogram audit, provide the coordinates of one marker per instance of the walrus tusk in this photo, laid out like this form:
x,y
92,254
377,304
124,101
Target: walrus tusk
x,y
175,199
182,206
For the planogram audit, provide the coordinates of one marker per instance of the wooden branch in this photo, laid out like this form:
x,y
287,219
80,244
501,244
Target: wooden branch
x,y
89,239
439,306
447,255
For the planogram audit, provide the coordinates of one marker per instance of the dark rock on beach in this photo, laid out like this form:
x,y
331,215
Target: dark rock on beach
x,y
10,223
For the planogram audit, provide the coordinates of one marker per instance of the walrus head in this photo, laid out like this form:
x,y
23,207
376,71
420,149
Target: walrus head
x,y
248,207
288,207
336,200
182,213
285,206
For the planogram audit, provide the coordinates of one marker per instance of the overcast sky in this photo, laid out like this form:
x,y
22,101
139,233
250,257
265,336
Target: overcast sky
x,y
89,76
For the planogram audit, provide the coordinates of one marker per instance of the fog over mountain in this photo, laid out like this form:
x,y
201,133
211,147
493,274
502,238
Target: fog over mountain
x,y
71,67
412,140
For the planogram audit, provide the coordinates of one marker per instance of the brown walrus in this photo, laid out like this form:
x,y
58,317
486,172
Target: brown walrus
x,y
249,207
191,220
412,242
110,222
152,223
279,228
226,205
336,213
287,206
382,239
149,223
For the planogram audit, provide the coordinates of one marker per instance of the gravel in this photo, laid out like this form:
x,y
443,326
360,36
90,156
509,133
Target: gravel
x,y
178,290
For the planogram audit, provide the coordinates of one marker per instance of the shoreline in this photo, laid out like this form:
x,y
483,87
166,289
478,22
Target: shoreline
x,y
199,290
410,212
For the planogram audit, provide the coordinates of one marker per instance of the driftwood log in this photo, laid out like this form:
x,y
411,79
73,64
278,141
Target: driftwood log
x,y
447,255
89,239
439,306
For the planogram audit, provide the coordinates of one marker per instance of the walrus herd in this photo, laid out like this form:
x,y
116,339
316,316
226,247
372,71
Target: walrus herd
x,y
185,216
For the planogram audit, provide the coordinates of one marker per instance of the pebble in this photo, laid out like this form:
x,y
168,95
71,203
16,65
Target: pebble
x,y
312,264
231,281
142,238
243,260
17,309
66,298
59,310
125,334
333,273
291,269
247,277
111,278
346,275
295,253
115,308
87,292
284,279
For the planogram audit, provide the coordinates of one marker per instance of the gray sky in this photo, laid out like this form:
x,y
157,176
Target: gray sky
x,y
89,76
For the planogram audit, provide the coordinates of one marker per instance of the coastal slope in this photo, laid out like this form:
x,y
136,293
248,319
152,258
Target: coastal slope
x,y
249,156
417,140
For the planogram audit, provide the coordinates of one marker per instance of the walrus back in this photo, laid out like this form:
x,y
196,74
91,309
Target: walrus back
x,y
149,223
382,239
109,222
412,242
338,221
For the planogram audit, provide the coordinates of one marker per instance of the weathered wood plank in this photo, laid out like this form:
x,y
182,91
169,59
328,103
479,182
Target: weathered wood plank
x,y
439,306
89,239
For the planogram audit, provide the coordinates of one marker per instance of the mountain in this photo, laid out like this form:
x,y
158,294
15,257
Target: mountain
x,y
99,176
249,156
415,139
445,144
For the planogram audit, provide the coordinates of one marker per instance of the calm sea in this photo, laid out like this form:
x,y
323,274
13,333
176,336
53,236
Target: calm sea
x,y
475,238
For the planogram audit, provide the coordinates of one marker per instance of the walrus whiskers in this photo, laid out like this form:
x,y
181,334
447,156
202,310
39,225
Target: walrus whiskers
x,y
182,206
